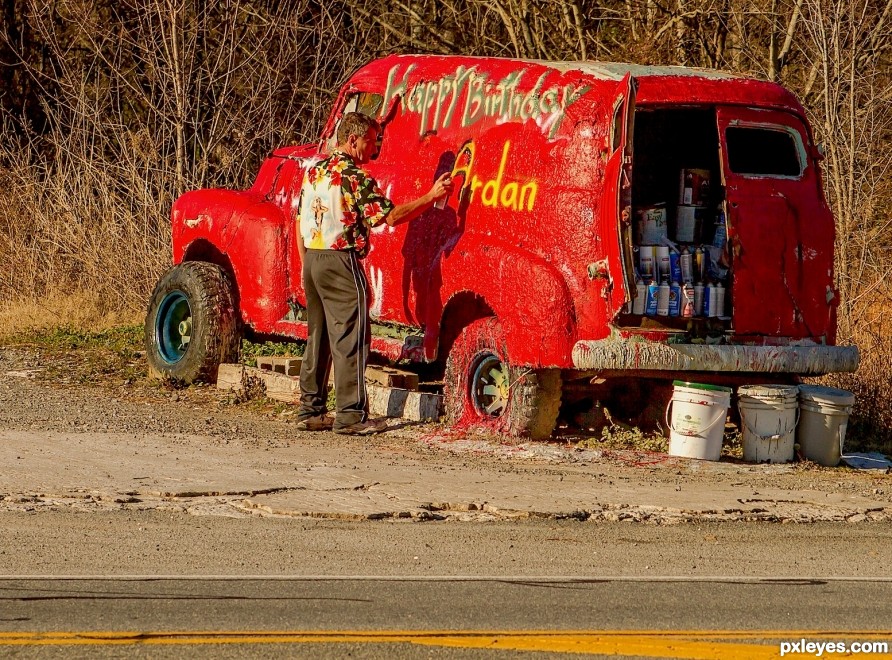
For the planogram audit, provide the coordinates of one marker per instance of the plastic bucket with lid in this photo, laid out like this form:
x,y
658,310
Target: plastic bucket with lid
x,y
696,419
823,419
768,418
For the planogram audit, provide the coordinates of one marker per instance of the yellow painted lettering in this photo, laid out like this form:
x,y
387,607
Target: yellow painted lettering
x,y
530,188
509,196
490,195
475,183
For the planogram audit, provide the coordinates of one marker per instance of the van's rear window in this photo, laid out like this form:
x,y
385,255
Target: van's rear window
x,y
762,151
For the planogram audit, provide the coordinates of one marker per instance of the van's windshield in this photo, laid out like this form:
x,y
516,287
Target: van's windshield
x,y
763,151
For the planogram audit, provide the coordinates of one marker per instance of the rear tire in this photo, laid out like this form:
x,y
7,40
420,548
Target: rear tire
x,y
482,389
191,324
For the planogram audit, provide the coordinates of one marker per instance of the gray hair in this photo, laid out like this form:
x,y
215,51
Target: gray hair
x,y
355,123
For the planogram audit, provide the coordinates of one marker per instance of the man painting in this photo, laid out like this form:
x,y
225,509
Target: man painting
x,y
339,204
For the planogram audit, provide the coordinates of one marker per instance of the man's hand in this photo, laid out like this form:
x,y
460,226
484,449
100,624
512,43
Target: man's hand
x,y
405,212
442,187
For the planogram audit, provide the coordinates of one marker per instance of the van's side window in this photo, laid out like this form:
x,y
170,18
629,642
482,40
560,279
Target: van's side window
x,y
617,128
367,103
763,151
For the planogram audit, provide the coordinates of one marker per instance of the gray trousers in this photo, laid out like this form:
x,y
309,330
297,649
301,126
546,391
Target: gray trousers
x,y
339,332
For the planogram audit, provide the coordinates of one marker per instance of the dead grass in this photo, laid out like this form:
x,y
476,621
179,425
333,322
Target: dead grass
x,y
79,311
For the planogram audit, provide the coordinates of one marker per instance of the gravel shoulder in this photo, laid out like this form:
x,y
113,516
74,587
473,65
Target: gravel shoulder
x,y
75,437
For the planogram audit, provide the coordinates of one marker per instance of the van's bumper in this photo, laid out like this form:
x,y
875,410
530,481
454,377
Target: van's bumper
x,y
645,355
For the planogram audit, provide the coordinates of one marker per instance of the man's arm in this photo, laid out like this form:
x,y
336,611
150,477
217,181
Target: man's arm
x,y
411,210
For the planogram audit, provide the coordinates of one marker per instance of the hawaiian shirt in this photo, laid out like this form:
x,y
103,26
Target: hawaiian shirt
x,y
339,202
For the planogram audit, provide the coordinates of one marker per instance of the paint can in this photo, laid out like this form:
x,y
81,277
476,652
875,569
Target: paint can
x,y
700,263
663,299
688,222
693,187
719,300
651,224
674,266
687,300
708,299
651,302
646,262
664,265
696,417
675,299
640,301
824,419
686,265
768,418
720,235
698,299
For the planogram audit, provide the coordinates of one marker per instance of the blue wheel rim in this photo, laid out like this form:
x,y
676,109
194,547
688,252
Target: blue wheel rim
x,y
173,327
489,386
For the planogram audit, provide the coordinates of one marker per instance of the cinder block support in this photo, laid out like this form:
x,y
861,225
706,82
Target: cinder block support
x,y
282,365
383,401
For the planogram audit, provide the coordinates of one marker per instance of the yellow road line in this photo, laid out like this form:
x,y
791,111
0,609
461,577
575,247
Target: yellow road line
x,y
690,644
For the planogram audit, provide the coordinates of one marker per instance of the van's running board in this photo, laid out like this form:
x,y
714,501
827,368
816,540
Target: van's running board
x,y
803,360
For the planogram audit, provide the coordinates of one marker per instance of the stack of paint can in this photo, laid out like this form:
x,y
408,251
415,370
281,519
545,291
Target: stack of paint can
x,y
678,273
692,211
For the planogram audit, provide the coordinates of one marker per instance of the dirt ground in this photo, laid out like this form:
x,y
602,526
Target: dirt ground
x,y
83,390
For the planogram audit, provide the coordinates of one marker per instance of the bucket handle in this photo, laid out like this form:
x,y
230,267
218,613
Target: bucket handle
x,y
773,436
708,428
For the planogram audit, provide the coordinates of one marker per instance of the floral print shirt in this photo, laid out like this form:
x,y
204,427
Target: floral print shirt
x,y
339,202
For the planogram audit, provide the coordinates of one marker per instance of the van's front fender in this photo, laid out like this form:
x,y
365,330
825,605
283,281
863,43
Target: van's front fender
x,y
251,234
528,295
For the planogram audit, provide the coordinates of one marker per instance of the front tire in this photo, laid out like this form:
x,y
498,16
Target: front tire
x,y
482,389
191,324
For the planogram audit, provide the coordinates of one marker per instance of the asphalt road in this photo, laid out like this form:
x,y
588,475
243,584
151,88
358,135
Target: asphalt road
x,y
171,586
410,617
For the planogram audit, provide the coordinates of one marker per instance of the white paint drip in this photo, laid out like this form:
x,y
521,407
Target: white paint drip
x,y
376,279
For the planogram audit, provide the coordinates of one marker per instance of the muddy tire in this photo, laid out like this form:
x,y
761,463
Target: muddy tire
x,y
191,324
483,390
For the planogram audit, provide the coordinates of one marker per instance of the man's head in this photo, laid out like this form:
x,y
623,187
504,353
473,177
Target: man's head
x,y
358,135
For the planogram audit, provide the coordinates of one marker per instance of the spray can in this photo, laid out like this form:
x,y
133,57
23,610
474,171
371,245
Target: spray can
x,y
686,265
708,299
640,301
698,299
663,263
700,263
674,266
719,300
687,300
721,231
674,299
653,293
663,299
646,262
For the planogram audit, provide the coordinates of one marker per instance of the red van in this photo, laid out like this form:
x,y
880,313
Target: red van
x,y
614,227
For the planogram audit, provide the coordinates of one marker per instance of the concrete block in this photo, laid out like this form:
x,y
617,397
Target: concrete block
x,y
288,366
276,385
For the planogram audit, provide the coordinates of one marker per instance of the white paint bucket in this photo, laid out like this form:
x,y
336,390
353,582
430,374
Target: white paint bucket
x,y
768,418
696,419
824,418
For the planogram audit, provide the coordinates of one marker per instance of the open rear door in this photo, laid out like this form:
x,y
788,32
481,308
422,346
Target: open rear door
x,y
780,229
616,200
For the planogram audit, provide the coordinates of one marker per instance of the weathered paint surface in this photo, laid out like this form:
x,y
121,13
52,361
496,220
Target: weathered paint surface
x,y
540,201
804,360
